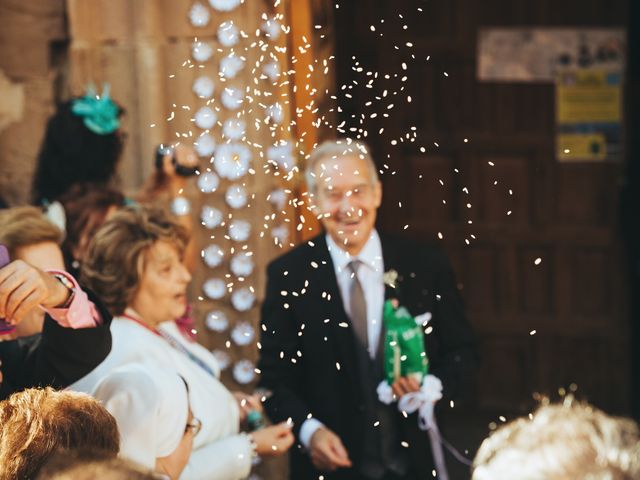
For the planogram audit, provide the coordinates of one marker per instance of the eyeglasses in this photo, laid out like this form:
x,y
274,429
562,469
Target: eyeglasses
x,y
335,195
195,425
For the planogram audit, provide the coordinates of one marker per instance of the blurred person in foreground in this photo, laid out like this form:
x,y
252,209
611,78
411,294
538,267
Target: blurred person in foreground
x,y
135,264
37,295
569,440
36,423
151,408
83,465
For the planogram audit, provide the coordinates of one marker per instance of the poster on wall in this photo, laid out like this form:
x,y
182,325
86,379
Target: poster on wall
x,y
537,54
586,65
588,115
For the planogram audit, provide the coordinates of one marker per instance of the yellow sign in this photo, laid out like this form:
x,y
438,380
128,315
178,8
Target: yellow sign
x,y
588,115
585,147
587,96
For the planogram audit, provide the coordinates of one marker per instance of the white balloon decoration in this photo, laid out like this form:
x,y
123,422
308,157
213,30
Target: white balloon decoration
x,y
217,321
282,154
232,160
231,65
199,15
234,128
224,5
208,182
212,256
275,113
210,217
243,334
239,230
205,145
205,118
242,299
272,28
272,70
203,87
280,233
214,288
278,198
201,51
232,98
228,34
236,196
243,372
241,265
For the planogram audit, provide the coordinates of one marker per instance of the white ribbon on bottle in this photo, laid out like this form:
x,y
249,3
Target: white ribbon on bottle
x,y
423,401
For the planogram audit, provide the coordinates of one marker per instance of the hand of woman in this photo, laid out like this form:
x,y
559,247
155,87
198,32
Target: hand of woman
x,y
183,158
274,440
247,403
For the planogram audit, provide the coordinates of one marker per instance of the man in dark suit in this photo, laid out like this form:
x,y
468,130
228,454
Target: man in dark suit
x,y
321,346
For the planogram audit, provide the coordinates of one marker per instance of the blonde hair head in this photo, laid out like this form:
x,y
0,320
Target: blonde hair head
x,y
571,440
25,226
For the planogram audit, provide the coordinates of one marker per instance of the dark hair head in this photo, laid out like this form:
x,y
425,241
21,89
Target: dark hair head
x,y
71,153
86,206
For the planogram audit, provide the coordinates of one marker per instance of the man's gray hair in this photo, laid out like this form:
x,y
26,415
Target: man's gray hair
x,y
569,440
335,149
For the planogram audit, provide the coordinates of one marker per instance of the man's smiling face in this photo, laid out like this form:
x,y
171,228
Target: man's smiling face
x,y
348,197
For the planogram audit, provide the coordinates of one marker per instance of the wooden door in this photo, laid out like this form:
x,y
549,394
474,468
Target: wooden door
x,y
489,185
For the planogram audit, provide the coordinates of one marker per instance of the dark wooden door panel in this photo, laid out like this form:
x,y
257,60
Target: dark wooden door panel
x,y
497,201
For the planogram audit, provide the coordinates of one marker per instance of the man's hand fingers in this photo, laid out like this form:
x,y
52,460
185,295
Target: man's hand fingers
x,y
322,463
339,450
413,384
337,453
399,388
397,391
404,385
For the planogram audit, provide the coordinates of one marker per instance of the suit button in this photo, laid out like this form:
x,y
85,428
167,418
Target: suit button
x,y
361,407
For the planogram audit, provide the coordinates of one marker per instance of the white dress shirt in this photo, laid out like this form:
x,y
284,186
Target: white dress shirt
x,y
370,275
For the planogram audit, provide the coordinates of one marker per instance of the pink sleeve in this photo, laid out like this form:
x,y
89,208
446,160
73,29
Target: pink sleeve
x,y
81,313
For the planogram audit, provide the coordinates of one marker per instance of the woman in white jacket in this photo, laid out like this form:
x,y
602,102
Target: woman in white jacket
x,y
134,263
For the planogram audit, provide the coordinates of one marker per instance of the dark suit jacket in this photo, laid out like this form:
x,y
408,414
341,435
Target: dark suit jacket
x,y
307,355
57,357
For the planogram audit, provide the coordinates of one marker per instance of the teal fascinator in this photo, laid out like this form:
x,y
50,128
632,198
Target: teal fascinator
x,y
98,112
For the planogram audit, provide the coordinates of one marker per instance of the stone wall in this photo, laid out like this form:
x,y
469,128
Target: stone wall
x,y
32,64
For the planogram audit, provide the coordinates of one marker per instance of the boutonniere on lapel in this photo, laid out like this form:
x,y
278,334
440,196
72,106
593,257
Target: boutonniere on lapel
x,y
405,356
390,278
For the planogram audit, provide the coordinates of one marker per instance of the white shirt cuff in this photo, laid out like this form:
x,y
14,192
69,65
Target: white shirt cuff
x,y
307,430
